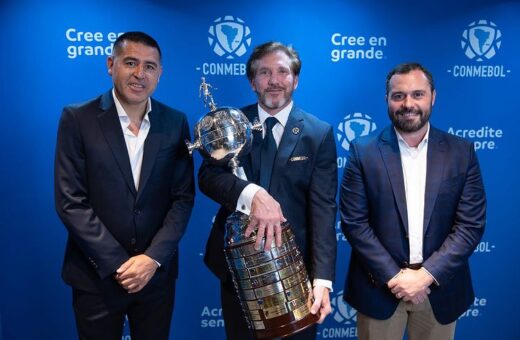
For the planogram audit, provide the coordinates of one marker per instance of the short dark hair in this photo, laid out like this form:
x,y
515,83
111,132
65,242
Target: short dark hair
x,y
270,47
407,68
136,37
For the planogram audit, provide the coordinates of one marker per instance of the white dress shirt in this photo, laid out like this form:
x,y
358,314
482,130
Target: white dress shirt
x,y
414,162
134,143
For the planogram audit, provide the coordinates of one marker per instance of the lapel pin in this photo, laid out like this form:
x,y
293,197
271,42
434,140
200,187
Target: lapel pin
x,y
296,130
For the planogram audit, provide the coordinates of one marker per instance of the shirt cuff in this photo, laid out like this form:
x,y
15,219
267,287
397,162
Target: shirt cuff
x,y
246,198
322,283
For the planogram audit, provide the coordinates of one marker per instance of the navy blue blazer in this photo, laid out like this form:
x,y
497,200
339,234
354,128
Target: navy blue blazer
x,y
374,220
108,220
303,181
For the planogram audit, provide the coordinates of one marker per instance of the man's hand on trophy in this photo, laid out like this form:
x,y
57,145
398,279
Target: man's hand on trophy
x,y
321,304
266,218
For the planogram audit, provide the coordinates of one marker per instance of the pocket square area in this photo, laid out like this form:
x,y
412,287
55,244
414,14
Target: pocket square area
x,y
298,158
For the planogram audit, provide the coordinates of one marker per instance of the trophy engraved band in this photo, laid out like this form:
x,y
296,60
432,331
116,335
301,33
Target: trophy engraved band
x,y
273,286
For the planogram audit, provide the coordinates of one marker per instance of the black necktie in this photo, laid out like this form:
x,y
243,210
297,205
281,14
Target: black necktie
x,y
268,153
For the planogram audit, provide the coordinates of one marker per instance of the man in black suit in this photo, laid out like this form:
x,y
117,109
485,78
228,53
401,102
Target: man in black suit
x,y
124,190
301,188
413,208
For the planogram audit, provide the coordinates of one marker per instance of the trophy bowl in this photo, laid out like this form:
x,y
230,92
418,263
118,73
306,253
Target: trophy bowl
x,y
223,135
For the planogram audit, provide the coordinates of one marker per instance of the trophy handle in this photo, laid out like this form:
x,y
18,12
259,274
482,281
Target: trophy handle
x,y
192,146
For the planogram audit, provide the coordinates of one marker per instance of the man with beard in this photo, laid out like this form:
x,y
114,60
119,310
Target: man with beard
x,y
413,208
295,181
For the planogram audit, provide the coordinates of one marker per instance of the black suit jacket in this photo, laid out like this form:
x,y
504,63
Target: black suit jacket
x,y
374,219
303,181
107,218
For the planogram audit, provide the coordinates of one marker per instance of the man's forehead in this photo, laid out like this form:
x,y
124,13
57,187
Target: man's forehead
x,y
129,48
277,56
415,79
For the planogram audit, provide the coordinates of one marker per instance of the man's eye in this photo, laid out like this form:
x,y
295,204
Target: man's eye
x,y
418,95
150,67
398,96
131,63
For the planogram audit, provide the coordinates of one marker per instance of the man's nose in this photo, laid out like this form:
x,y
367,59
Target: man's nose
x,y
408,101
273,79
139,71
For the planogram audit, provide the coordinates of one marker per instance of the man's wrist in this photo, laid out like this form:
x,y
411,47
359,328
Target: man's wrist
x,y
245,199
430,276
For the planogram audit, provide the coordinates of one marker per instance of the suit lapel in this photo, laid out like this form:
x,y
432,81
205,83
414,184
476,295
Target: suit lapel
x,y
392,158
434,170
111,128
290,138
151,147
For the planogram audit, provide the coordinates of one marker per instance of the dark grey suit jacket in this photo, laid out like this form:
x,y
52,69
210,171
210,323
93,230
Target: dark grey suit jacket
x,y
107,219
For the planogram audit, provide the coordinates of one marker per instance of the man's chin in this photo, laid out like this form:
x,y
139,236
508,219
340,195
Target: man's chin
x,y
274,105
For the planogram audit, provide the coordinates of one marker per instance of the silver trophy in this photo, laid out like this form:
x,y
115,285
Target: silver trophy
x,y
223,134
273,285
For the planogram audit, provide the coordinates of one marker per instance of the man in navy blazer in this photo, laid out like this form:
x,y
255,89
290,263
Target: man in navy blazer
x,y
302,189
413,208
124,189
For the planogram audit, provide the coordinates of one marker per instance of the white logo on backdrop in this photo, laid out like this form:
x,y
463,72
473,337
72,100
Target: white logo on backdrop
x,y
229,37
353,126
481,40
342,312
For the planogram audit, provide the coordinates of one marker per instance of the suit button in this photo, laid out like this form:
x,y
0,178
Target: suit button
x,y
133,241
137,211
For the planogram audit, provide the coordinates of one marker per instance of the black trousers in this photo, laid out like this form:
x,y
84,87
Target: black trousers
x,y
236,324
149,313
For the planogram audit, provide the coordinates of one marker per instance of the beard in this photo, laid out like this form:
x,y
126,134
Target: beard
x,y
271,103
404,124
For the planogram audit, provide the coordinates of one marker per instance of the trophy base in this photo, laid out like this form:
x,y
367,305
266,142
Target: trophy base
x,y
286,329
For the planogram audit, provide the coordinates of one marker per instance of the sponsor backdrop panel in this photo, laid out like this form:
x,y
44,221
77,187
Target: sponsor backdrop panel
x,y
55,54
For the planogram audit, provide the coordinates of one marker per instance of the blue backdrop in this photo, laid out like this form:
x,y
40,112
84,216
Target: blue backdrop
x,y
54,54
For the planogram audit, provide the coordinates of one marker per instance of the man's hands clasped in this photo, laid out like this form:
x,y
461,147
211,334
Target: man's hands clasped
x,y
136,272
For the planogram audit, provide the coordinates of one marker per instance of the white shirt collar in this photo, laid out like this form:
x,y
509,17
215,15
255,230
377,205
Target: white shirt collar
x,y
122,113
282,116
423,142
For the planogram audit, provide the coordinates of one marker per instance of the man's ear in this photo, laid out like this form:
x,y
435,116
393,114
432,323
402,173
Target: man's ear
x,y
110,64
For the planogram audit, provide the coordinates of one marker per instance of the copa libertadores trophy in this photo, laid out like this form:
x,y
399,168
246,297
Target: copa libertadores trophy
x,y
273,286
